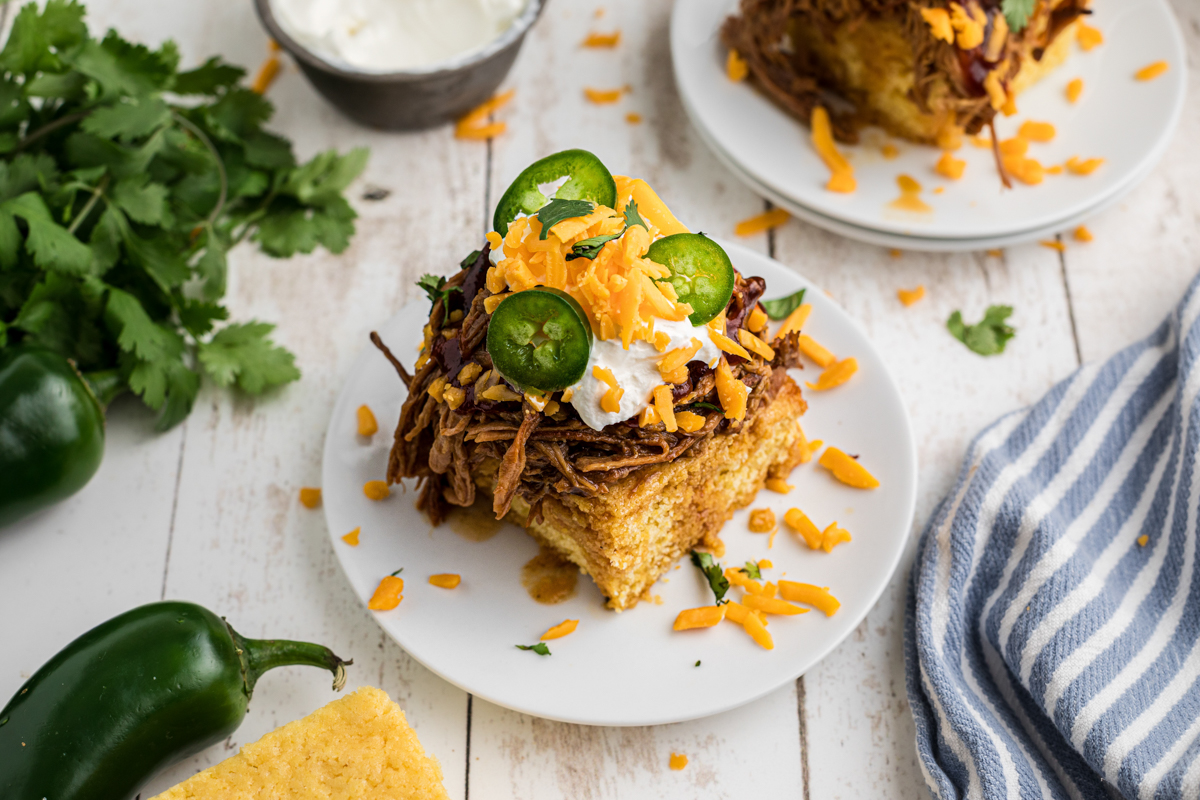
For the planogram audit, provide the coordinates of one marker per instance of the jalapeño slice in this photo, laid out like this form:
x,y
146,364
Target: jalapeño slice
x,y
540,339
587,179
701,272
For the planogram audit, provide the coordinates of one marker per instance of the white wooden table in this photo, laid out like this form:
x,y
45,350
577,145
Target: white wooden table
x,y
208,512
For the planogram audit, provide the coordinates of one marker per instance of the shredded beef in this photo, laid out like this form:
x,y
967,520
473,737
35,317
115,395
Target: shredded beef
x,y
534,453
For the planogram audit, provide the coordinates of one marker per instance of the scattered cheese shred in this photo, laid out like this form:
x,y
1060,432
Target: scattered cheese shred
x,y
1151,71
678,761
1077,166
648,417
758,631
815,596
757,321
351,538
765,563
1054,169
735,67
376,490
676,360
968,23
1027,170
738,578
762,520
608,40
454,396
1074,90
778,485
771,605
1088,37
611,401
689,422
798,521
310,496
1143,540
950,167
1053,245
890,151
633,118
603,96
910,296
834,375
814,351
795,320
731,392
664,404
755,344
1036,131
910,196
725,344
703,617
841,173
473,125
445,580
938,20
762,222
499,393
1082,234
560,630
388,594
847,469
832,536
367,425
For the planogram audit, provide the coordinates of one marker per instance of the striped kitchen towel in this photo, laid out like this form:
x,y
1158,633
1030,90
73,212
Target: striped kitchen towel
x,y
1052,634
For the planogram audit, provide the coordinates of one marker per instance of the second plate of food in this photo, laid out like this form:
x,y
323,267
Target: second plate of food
x,y
628,668
1126,122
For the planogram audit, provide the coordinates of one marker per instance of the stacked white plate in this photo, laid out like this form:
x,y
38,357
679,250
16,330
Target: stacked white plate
x,y
1124,121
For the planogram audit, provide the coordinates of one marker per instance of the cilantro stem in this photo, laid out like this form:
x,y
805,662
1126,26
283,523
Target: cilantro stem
x,y
50,127
89,205
195,130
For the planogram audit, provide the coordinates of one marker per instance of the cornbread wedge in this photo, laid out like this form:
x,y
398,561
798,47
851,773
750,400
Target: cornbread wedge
x,y
626,539
357,748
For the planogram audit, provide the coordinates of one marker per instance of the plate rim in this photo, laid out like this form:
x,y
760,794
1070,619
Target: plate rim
x,y
740,254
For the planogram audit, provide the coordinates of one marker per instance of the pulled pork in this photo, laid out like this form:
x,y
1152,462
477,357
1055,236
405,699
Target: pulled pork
x,y
532,453
766,33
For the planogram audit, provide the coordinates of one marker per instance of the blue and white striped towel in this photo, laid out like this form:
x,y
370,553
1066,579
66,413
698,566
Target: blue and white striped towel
x,y
1052,637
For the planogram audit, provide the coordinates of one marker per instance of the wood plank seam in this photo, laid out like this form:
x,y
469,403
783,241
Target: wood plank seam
x,y
174,506
800,693
1062,266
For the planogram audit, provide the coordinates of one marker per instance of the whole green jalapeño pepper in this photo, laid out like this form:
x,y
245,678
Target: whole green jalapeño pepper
x,y
51,431
132,696
586,179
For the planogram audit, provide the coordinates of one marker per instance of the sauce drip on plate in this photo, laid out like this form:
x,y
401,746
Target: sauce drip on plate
x,y
549,578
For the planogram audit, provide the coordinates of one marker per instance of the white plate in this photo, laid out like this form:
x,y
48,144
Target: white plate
x,y
628,668
917,243
1127,122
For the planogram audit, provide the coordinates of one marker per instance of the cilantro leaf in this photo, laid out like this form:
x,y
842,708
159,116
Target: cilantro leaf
x,y
987,337
51,245
752,570
632,217
780,307
144,202
590,248
540,648
712,571
128,121
697,663
469,261
1016,12
557,210
207,78
243,354
435,289
709,406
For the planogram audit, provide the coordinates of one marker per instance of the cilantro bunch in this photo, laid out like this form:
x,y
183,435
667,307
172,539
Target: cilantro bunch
x,y
124,183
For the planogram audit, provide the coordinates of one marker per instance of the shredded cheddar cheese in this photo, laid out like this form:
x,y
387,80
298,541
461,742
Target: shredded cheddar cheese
x,y
1088,37
633,118
500,393
1082,234
611,401
841,173
909,199
689,422
762,520
847,469
376,490
603,96
950,167
351,538
1151,71
560,630
367,425
889,151
387,595
938,20
815,596
755,344
664,404
758,631
731,392
310,497
757,321
474,126
762,222
736,68
996,39
798,521
725,344
1074,90
648,417
968,24
778,485
676,360
834,375
445,580
678,761
795,320
1053,245
608,40
910,296
1078,166
1143,540
1027,170
814,351
771,605
454,396
1036,131
703,617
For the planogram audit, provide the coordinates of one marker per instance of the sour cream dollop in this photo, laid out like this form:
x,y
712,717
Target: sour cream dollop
x,y
392,35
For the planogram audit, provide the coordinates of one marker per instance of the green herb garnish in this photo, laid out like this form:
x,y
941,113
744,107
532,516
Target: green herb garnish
x,y
1016,12
709,406
470,260
540,648
557,210
752,570
632,217
712,570
435,289
118,206
782,306
986,337
697,663
590,248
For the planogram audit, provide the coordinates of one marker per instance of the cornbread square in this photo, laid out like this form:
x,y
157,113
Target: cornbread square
x,y
357,748
627,538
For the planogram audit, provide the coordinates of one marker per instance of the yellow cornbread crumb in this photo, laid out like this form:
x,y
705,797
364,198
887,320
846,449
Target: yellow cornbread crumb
x,y
357,748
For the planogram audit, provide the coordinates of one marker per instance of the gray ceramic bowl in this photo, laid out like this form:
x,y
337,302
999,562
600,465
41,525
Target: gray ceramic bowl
x,y
412,99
